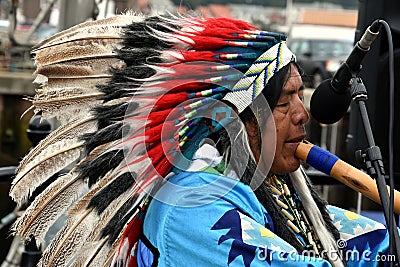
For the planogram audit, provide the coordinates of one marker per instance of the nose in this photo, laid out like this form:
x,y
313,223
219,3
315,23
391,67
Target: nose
x,y
300,115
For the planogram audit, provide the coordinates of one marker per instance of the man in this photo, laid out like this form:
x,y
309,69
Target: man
x,y
196,135
233,227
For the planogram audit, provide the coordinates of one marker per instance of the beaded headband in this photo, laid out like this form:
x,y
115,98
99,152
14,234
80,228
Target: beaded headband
x,y
258,75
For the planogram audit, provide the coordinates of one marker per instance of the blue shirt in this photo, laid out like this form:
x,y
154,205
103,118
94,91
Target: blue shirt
x,y
204,219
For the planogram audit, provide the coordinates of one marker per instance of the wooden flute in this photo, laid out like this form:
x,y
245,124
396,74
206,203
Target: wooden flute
x,y
331,165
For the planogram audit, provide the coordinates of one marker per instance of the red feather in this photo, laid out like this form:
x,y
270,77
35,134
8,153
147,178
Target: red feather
x,y
157,117
224,27
192,70
132,233
207,43
170,100
200,56
153,134
188,85
227,23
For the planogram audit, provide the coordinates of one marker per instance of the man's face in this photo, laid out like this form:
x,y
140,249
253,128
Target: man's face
x,y
290,116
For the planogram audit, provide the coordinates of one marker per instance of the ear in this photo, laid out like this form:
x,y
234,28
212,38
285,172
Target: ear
x,y
253,134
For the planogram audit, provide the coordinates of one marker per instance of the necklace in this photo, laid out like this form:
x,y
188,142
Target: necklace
x,y
297,220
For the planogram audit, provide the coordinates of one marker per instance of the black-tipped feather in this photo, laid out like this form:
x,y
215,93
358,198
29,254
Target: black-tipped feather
x,y
96,169
104,136
121,86
107,115
132,56
118,186
139,34
116,224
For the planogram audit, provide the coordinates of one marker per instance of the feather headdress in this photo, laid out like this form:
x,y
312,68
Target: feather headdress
x,y
131,93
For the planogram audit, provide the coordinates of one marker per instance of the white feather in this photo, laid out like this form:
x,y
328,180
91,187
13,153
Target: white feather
x,y
299,182
48,206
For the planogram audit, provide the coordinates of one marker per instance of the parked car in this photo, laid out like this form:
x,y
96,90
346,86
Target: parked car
x,y
320,50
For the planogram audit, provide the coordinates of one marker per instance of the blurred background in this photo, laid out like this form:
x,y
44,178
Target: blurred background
x,y
321,33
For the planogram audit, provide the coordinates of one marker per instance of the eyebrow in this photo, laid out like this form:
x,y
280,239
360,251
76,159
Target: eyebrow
x,y
292,91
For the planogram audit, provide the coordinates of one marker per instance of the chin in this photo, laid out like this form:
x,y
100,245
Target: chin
x,y
286,167
293,168
295,165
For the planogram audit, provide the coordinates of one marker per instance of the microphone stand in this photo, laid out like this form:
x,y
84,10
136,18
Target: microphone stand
x,y
374,162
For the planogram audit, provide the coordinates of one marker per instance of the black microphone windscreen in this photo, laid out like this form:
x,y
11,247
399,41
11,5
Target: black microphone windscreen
x,y
327,106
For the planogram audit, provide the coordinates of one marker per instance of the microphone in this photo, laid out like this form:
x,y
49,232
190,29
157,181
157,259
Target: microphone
x,y
331,165
331,99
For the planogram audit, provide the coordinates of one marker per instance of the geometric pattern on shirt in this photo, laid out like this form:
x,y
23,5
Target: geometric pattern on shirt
x,y
350,224
248,237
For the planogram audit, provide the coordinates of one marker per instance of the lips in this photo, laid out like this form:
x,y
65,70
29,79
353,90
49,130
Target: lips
x,y
296,139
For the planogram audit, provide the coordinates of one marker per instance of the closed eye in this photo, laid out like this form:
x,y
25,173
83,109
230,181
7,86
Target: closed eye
x,y
283,104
